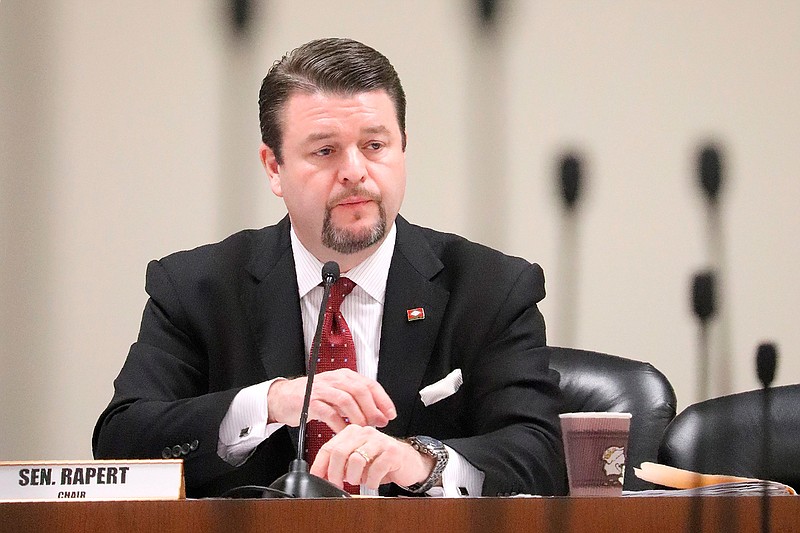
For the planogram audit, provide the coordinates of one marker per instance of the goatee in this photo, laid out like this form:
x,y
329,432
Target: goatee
x,y
345,241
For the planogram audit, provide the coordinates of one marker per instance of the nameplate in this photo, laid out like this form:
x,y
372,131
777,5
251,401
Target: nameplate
x,y
45,481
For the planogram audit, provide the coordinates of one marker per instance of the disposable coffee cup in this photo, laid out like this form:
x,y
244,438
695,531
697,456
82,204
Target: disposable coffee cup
x,y
595,446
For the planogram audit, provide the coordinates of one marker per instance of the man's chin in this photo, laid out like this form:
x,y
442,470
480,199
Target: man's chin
x,y
349,231
352,240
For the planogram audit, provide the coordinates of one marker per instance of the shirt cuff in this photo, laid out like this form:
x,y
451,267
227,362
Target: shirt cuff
x,y
459,478
245,425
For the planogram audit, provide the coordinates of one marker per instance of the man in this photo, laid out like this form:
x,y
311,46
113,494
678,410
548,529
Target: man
x,y
217,374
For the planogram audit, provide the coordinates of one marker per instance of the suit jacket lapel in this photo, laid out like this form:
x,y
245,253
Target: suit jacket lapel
x,y
406,346
274,304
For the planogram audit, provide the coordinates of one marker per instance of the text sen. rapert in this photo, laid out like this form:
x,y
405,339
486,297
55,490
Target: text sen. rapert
x,y
82,475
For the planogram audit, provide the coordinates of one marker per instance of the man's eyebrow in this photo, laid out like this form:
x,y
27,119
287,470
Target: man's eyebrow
x,y
319,136
376,130
325,135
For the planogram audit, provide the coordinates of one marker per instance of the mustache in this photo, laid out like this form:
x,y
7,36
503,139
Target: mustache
x,y
358,191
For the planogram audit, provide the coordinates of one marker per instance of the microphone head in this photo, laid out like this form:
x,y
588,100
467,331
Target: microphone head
x,y
709,166
766,363
330,272
703,295
487,9
570,176
241,13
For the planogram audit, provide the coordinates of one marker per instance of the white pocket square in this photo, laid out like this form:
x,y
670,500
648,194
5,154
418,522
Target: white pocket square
x,y
447,386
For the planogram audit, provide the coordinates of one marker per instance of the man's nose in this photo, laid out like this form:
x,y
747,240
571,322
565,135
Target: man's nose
x,y
353,166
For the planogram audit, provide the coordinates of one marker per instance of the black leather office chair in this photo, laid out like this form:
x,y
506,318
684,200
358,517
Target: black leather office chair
x,y
593,381
724,436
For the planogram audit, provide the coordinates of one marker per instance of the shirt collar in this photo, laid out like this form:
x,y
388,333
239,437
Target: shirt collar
x,y
371,274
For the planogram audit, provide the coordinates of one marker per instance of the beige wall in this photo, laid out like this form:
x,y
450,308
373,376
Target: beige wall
x,y
129,130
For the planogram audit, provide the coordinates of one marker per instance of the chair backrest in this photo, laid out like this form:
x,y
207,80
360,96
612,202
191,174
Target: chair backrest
x,y
725,436
593,381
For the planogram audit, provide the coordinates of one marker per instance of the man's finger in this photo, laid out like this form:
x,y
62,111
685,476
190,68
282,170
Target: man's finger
x,y
320,466
383,401
326,413
359,398
379,469
341,402
357,464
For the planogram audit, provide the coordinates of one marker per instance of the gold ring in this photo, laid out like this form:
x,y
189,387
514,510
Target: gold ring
x,y
364,454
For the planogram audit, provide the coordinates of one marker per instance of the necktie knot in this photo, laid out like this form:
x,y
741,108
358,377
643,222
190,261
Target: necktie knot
x,y
340,288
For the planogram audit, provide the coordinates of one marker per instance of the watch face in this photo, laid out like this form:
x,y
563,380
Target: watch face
x,y
427,441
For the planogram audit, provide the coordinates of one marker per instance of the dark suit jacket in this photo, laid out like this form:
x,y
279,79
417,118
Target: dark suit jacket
x,y
225,316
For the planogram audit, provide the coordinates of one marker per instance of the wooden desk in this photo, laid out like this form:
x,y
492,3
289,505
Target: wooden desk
x,y
409,515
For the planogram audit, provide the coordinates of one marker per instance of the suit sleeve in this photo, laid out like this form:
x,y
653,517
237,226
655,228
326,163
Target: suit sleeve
x,y
163,405
513,399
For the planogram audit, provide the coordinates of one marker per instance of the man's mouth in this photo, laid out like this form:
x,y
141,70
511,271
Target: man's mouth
x,y
354,201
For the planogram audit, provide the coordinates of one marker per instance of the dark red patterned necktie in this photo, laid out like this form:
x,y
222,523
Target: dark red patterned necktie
x,y
336,351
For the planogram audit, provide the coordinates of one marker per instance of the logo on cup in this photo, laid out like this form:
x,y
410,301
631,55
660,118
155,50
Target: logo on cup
x,y
614,465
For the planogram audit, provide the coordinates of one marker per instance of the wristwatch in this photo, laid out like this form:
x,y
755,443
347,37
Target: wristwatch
x,y
433,448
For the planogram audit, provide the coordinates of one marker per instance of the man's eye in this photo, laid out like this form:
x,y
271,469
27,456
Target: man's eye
x,y
375,145
324,151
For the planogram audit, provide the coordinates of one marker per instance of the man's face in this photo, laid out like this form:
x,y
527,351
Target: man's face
x,y
343,173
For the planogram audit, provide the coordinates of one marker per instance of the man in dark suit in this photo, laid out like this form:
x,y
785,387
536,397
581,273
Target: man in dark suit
x,y
217,374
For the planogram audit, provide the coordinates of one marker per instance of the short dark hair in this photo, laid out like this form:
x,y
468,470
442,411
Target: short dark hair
x,y
335,66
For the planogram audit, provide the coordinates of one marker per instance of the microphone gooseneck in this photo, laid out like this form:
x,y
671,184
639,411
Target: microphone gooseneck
x,y
298,482
330,273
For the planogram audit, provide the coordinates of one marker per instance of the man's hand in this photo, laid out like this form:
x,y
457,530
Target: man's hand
x,y
338,397
364,455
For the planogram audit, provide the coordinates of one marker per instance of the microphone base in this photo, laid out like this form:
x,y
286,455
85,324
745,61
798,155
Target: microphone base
x,y
299,483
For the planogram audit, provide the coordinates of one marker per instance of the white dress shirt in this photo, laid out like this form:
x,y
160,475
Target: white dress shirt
x,y
245,424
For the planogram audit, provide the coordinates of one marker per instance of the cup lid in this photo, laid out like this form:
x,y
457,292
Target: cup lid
x,y
593,414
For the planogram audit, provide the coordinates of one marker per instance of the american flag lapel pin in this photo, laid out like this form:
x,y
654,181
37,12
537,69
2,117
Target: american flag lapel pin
x,y
418,313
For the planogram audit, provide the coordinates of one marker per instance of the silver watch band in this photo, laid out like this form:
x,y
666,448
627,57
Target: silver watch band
x,y
432,448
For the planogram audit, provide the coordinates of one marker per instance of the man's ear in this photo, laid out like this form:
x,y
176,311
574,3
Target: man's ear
x,y
270,163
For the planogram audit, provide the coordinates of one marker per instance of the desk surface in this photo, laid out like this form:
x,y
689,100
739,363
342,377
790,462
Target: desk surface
x,y
410,515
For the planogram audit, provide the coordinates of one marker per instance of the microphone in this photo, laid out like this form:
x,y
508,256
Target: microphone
x,y
703,295
704,307
241,15
709,164
569,183
706,298
570,173
766,362
298,482
710,176
487,11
